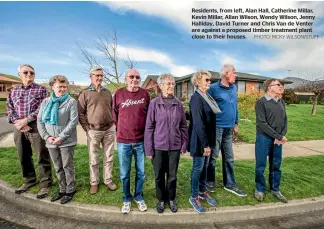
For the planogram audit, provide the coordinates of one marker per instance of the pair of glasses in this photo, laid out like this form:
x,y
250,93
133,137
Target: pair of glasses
x,y
208,80
97,75
132,77
30,72
277,84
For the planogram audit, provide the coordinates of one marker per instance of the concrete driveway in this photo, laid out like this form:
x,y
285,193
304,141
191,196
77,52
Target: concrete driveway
x,y
5,127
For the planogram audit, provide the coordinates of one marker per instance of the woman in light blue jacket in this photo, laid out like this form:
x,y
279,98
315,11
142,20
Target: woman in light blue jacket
x,y
56,123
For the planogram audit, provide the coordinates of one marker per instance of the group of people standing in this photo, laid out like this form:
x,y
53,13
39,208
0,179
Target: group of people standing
x,y
157,128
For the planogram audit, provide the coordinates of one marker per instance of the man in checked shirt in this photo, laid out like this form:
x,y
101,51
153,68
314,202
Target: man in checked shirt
x,y
23,104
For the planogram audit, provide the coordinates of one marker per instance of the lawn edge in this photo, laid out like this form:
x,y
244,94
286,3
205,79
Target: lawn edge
x,y
111,214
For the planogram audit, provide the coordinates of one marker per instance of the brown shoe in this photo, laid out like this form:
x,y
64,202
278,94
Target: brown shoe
x,y
93,189
42,193
111,186
24,188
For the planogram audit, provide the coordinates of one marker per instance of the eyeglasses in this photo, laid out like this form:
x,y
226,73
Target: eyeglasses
x,y
277,84
97,75
132,77
30,72
208,80
170,83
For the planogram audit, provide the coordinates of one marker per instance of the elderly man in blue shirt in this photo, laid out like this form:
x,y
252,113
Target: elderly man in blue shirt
x,y
224,92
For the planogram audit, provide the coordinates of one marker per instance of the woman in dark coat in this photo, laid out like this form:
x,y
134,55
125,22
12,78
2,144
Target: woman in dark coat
x,y
202,138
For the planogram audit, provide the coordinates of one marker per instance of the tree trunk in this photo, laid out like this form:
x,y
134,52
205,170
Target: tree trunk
x,y
315,105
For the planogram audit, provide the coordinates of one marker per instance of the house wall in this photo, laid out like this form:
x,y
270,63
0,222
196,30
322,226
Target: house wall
x,y
4,95
4,86
251,87
4,89
184,89
152,84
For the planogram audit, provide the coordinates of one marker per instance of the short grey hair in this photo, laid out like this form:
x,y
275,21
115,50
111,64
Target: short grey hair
x,y
163,77
198,75
95,68
24,65
58,78
225,69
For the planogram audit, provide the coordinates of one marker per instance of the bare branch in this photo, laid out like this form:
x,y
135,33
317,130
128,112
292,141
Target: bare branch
x,y
107,47
129,62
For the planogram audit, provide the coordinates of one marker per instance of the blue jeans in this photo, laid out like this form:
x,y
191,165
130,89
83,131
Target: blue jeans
x,y
264,146
198,175
125,152
224,143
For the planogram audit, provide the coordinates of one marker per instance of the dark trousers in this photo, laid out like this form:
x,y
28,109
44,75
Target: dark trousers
x,y
24,143
166,163
265,147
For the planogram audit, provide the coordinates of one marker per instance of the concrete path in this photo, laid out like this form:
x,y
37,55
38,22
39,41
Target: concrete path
x,y
242,151
5,127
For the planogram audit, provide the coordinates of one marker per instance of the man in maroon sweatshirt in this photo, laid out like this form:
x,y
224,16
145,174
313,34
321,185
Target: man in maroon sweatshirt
x,y
130,105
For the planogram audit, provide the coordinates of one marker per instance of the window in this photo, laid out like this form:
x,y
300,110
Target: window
x,y
259,87
241,86
179,90
190,89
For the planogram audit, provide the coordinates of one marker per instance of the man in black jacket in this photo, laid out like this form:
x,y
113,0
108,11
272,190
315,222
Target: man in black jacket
x,y
271,128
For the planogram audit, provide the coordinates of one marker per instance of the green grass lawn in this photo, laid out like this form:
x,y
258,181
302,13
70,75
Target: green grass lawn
x,y
302,178
3,109
301,124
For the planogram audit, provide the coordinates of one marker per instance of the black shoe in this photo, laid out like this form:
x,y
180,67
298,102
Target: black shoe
x,y
160,207
236,191
68,197
173,206
24,188
58,196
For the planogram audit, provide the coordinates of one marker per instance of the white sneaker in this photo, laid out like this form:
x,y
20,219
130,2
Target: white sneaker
x,y
141,205
126,207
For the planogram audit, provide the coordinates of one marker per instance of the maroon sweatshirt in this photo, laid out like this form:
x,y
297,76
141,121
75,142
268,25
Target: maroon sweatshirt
x,y
129,114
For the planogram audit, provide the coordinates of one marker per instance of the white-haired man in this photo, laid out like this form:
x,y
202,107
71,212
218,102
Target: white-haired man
x,y
95,116
23,105
130,108
224,93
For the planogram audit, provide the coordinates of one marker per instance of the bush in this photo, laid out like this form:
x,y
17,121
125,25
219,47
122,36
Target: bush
x,y
290,97
246,103
152,93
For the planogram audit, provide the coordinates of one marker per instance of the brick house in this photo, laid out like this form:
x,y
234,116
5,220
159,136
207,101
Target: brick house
x,y
150,84
6,83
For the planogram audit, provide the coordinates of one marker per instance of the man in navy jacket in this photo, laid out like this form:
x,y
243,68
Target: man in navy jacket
x,y
224,93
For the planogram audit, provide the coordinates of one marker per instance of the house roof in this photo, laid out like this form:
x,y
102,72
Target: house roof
x,y
148,78
9,78
153,77
240,76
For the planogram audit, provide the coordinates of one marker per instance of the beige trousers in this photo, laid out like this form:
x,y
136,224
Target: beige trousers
x,y
107,139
